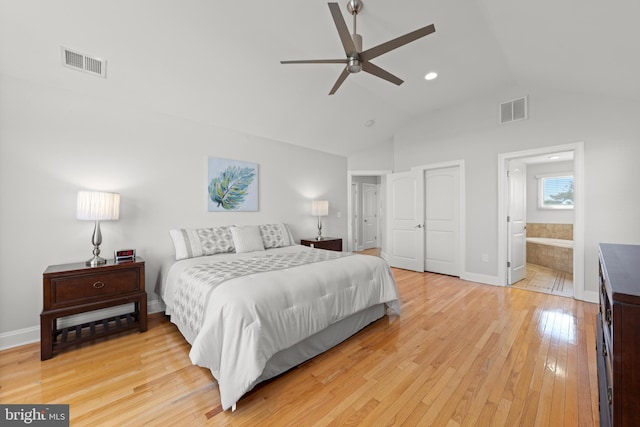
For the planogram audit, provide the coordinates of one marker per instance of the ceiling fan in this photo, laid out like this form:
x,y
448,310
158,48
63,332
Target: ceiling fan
x,y
358,60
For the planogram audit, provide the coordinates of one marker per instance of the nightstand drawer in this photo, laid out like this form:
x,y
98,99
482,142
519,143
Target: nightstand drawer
x,y
68,290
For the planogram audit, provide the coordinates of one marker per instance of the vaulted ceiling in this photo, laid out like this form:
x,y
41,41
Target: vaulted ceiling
x,y
217,62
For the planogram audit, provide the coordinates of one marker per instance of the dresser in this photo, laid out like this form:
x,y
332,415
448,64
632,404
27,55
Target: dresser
x,y
70,289
618,335
328,243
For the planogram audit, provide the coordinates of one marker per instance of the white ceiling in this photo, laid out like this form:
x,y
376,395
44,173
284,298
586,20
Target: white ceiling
x,y
217,62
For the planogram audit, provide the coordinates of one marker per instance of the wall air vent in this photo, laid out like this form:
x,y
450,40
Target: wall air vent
x,y
83,62
514,110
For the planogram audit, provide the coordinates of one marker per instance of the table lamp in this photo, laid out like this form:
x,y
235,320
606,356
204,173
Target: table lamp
x,y
320,208
97,206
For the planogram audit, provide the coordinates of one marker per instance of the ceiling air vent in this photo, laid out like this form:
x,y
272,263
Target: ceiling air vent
x,y
83,62
513,110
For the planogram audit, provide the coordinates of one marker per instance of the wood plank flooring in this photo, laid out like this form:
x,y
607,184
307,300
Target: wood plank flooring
x,y
461,354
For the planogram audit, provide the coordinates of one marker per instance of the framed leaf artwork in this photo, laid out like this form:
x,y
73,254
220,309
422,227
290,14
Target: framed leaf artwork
x,y
232,185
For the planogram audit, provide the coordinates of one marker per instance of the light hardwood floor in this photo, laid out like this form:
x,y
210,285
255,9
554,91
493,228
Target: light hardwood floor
x,y
460,354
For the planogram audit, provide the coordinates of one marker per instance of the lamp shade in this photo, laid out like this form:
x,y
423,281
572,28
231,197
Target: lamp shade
x,y
98,206
320,207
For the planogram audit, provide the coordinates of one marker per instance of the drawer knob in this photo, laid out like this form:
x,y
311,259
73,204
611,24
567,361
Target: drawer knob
x,y
98,285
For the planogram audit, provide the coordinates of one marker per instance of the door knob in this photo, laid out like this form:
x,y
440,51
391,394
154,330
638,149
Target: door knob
x,y
418,226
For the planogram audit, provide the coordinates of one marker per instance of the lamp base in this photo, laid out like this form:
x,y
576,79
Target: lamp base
x,y
95,261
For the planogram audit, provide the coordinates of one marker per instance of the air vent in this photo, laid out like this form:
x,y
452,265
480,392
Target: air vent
x,y
514,110
83,62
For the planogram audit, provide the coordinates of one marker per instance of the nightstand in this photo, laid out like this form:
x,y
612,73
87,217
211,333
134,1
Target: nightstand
x,y
328,243
70,289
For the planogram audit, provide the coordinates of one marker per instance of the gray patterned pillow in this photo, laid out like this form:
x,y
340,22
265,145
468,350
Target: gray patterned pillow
x,y
275,235
195,242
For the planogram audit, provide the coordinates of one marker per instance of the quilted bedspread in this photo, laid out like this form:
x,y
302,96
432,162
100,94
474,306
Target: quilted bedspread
x,y
238,311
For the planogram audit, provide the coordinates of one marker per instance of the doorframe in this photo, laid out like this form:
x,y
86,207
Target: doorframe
x,y
578,212
350,174
353,223
462,205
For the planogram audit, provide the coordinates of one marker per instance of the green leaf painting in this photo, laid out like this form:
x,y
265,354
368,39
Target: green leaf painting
x,y
232,185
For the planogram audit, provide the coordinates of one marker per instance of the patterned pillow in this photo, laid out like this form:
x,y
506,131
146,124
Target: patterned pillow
x,y
275,235
195,242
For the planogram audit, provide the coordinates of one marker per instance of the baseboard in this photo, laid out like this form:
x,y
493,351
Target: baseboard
x,y
20,337
481,278
30,335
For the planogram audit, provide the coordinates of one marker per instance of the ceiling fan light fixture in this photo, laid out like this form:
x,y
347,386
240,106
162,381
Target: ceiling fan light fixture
x,y
431,75
354,65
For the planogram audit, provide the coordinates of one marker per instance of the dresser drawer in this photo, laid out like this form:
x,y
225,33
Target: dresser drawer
x,y
69,290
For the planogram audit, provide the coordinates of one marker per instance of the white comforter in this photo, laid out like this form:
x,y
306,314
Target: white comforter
x,y
248,319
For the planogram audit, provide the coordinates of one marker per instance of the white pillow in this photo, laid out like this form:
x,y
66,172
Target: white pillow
x,y
247,238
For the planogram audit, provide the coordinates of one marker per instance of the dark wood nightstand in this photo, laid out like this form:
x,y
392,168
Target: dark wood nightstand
x,y
75,288
328,243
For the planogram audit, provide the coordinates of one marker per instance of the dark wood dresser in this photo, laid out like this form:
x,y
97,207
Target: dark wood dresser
x,y
328,243
618,335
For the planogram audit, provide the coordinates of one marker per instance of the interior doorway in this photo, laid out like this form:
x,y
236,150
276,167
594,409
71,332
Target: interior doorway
x,y
366,210
530,231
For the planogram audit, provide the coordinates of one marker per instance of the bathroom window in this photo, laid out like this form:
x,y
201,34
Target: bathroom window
x,y
555,191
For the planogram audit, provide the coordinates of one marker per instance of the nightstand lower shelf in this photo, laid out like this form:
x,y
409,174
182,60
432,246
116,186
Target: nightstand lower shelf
x,y
77,334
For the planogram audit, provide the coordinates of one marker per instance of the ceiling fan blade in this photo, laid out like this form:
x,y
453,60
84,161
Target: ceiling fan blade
x,y
376,51
342,78
379,72
343,31
317,61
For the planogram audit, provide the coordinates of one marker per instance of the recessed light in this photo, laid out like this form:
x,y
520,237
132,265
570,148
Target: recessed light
x,y
431,75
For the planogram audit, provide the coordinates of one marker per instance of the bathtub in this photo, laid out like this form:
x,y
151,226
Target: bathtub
x,y
556,254
559,243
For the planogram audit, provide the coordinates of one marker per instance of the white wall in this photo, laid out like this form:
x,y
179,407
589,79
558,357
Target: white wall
x,y
608,127
545,216
55,142
377,158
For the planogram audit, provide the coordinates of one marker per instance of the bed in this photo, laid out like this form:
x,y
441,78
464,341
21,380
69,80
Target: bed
x,y
251,315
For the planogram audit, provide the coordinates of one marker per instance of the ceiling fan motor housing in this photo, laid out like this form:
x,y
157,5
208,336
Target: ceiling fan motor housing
x,y
355,64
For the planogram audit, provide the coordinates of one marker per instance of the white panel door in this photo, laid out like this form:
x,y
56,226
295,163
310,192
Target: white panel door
x,y
517,222
442,221
369,217
405,217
